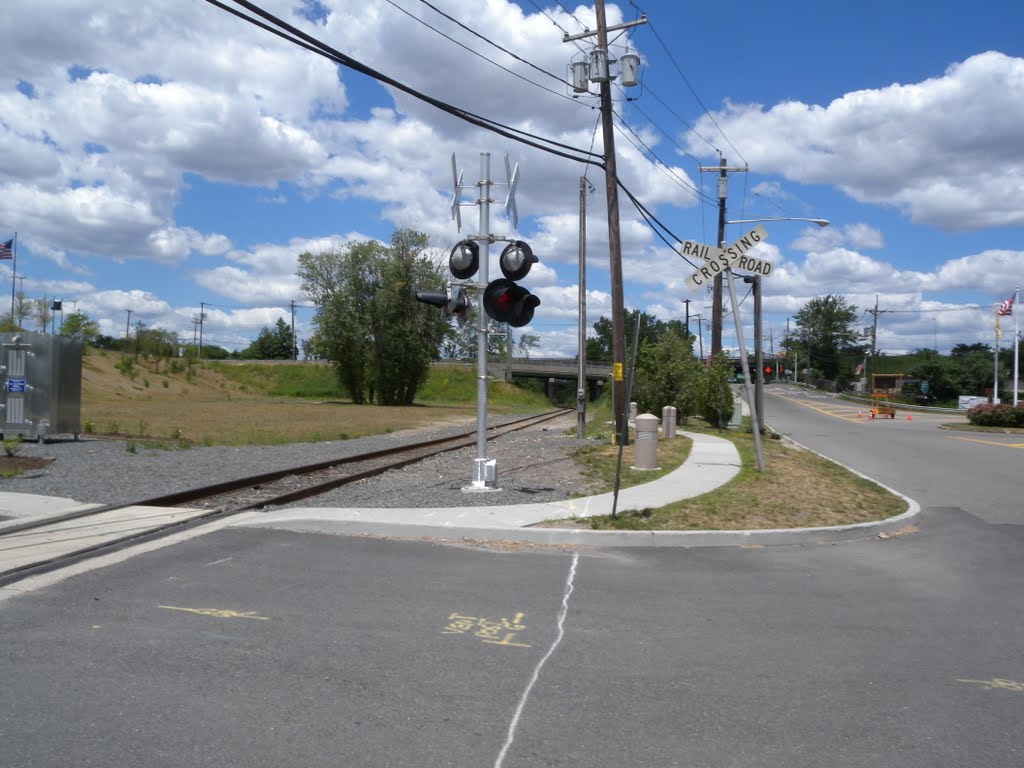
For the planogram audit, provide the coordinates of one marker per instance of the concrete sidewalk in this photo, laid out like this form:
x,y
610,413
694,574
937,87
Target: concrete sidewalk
x,y
713,462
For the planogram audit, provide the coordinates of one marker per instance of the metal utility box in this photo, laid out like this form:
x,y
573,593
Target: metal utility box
x,y
41,379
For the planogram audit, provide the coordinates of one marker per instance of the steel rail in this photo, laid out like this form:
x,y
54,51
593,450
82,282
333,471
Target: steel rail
x,y
423,449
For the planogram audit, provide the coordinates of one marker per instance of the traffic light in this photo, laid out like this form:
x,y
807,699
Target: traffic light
x,y
508,302
516,260
464,259
504,299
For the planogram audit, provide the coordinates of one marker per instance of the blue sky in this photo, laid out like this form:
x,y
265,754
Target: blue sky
x,y
165,156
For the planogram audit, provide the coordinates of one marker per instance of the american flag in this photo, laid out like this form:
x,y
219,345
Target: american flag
x,y
5,249
1005,308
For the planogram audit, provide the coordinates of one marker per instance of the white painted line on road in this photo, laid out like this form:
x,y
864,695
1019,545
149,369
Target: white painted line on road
x,y
536,672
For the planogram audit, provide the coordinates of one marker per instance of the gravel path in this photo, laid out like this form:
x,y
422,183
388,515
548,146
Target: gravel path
x,y
531,467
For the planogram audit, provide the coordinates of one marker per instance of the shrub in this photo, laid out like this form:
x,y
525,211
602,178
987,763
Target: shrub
x,y
987,415
126,365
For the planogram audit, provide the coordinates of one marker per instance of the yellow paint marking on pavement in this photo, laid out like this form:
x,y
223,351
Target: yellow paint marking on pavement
x,y
988,442
493,632
826,411
220,613
996,682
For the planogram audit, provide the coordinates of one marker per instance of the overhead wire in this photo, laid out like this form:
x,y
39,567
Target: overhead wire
x,y
490,42
487,40
682,150
689,85
623,127
296,36
563,30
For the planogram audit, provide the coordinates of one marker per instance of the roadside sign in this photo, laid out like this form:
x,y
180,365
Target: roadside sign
x,y
730,257
16,385
706,274
700,250
751,264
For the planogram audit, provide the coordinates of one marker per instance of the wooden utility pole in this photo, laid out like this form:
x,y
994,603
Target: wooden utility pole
x,y
620,407
716,299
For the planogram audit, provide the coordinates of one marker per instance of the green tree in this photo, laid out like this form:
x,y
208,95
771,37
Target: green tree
x,y
715,401
79,324
667,373
971,368
41,313
599,346
527,343
932,367
23,307
155,344
826,336
368,322
271,343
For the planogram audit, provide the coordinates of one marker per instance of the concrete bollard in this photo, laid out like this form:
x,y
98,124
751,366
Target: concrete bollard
x,y
645,450
633,408
668,421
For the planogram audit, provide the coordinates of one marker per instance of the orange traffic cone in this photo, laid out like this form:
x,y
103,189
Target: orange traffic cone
x,y
859,414
909,417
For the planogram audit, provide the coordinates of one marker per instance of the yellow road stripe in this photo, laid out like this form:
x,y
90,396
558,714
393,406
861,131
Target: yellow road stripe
x,y
988,442
827,412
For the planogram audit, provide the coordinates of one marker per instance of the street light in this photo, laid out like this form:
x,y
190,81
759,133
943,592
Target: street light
x,y
758,350
819,222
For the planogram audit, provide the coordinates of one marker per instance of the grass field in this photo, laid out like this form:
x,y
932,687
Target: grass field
x,y
265,403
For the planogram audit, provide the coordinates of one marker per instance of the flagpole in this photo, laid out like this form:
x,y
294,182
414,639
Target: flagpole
x,y
14,273
995,363
1016,342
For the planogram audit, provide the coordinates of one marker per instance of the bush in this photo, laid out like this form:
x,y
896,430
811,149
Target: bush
x,y
987,415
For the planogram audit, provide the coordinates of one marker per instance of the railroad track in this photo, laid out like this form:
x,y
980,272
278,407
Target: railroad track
x,y
41,545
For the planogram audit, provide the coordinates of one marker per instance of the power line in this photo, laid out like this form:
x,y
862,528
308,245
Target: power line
x,y
297,37
653,220
711,117
563,30
480,55
486,40
661,164
652,92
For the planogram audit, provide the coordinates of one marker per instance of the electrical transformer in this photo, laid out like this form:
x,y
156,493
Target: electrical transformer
x,y
41,378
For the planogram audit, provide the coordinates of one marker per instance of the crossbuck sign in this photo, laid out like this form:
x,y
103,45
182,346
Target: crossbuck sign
x,y
717,259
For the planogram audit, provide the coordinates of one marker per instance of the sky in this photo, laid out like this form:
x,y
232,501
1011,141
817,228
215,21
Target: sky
x,y
164,159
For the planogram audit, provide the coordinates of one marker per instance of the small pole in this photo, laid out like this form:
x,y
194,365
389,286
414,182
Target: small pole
x,y
751,399
995,363
1016,342
624,437
480,481
581,385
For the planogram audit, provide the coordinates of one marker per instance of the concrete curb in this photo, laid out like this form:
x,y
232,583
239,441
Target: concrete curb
x,y
589,538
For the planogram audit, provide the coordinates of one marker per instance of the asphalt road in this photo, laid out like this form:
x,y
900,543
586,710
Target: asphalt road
x,y
267,648
976,472
254,647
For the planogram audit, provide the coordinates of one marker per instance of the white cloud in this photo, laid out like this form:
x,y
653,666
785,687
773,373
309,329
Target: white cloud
x,y
920,147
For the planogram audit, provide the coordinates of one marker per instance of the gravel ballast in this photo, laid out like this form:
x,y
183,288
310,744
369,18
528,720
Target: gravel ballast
x,y
532,466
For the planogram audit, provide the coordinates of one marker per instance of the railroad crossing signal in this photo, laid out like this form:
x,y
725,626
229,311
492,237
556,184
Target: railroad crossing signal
x,y
732,256
508,302
504,299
